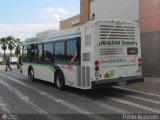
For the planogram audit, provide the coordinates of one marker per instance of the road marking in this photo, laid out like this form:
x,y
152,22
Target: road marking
x,y
137,91
60,101
140,98
103,105
27,101
134,104
16,73
3,105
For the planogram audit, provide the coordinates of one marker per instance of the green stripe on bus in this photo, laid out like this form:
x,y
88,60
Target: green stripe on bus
x,y
118,66
43,65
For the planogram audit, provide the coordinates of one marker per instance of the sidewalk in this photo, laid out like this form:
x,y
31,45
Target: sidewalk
x,y
150,84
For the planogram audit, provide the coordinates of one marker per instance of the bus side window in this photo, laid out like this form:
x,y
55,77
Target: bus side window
x,y
24,54
31,53
73,51
48,53
78,49
39,53
59,52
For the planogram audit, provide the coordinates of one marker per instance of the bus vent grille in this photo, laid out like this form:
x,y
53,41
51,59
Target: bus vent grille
x,y
85,76
87,40
86,57
111,51
88,76
117,32
79,76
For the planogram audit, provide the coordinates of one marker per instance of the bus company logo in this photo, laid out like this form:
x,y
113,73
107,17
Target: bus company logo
x,y
4,116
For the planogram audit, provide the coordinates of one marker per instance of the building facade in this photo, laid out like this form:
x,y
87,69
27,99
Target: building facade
x,y
70,23
146,12
150,36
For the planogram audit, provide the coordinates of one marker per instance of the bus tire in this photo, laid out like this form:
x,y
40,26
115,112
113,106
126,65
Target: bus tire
x,y
31,75
59,80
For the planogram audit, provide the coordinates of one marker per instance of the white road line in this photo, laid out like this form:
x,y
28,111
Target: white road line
x,y
103,105
143,99
3,106
137,91
27,101
15,74
134,104
60,101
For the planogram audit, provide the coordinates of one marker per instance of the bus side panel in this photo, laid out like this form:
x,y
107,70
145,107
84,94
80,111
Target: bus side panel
x,y
25,69
43,72
72,75
47,70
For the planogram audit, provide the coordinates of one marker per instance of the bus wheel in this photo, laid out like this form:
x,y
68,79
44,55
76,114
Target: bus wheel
x,y
31,75
59,81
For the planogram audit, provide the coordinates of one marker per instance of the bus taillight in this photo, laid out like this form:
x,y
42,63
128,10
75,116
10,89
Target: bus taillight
x,y
96,62
97,74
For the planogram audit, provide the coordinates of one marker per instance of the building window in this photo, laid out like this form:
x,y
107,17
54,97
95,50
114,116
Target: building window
x,y
48,52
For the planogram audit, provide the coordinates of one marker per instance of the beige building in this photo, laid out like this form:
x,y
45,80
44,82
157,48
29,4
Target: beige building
x,y
146,12
70,23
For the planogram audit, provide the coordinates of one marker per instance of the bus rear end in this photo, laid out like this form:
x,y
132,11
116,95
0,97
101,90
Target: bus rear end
x,y
117,53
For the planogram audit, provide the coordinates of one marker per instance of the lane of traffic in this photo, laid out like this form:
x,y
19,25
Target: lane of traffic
x,y
54,99
148,107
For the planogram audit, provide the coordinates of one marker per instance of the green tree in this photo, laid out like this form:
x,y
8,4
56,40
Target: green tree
x,y
3,42
11,44
18,46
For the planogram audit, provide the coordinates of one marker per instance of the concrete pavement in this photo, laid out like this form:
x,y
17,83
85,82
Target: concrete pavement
x,y
19,96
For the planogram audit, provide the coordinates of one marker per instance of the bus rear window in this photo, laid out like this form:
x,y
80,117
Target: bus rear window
x,y
132,51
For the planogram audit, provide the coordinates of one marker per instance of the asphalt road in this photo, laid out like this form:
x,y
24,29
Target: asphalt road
x,y
21,99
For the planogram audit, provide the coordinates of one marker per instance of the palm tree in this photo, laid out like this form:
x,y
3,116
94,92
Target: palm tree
x,y
3,42
11,44
18,46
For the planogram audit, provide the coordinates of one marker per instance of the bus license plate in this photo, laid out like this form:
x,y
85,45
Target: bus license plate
x,y
122,83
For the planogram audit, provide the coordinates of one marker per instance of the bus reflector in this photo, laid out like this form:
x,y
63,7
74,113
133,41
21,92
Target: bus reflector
x,y
97,68
140,59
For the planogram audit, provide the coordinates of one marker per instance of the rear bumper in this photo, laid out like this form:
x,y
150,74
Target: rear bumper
x,y
113,82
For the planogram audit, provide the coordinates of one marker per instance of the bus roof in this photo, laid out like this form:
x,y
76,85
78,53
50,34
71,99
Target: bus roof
x,y
62,34
69,33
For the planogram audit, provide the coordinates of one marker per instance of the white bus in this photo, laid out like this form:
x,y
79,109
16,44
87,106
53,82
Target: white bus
x,y
102,52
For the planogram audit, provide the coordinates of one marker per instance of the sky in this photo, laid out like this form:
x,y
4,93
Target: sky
x,y
24,18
